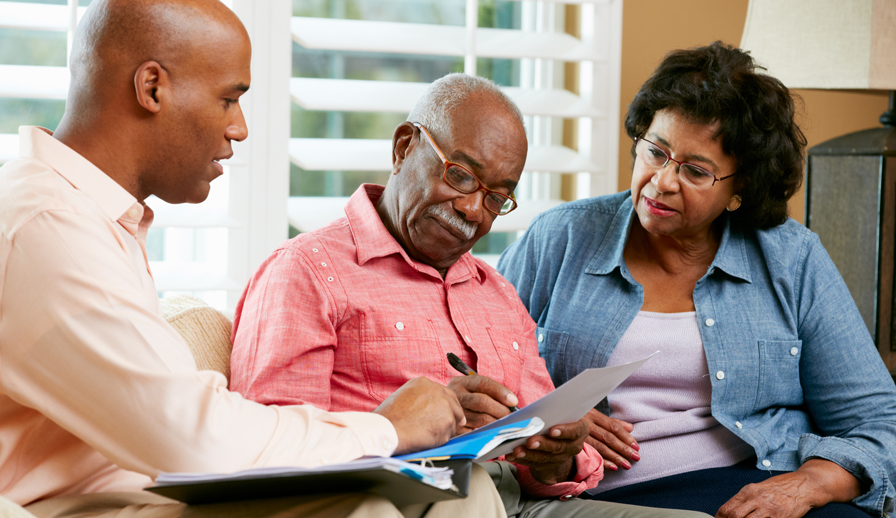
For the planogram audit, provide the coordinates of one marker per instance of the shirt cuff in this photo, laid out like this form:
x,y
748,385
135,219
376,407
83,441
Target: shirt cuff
x,y
377,435
879,499
589,471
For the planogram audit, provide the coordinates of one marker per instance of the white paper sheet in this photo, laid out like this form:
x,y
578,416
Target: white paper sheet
x,y
567,403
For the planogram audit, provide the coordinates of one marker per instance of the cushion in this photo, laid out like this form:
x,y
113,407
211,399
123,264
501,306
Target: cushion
x,y
205,329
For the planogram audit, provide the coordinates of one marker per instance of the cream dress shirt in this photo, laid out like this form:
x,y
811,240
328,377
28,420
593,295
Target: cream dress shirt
x,y
97,392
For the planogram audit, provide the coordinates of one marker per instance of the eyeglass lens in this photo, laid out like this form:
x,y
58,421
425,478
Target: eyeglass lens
x,y
655,156
465,182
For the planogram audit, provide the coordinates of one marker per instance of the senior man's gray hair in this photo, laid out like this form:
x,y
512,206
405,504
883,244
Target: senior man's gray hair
x,y
435,106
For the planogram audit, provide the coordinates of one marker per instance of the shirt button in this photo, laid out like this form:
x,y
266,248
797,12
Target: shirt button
x,y
737,424
387,444
767,463
516,346
133,212
314,249
565,497
330,279
399,325
323,264
540,337
710,322
503,285
793,351
720,375
467,338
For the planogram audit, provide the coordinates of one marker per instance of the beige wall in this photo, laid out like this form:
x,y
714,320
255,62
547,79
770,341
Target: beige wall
x,y
651,28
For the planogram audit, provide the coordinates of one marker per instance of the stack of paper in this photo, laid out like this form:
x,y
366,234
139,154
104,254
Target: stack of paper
x,y
438,477
475,444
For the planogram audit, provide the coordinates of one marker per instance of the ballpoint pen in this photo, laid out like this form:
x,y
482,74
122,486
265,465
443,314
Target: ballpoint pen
x,y
465,369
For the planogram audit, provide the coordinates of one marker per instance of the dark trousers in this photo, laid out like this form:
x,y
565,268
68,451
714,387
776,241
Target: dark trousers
x,y
707,490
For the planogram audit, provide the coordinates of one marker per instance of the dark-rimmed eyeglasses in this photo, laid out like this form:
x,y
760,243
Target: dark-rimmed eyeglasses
x,y
693,175
464,181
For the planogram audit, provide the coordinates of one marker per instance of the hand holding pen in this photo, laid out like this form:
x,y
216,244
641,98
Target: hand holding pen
x,y
484,399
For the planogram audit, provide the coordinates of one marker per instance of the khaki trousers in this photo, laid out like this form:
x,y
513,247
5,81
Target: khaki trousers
x,y
483,501
518,505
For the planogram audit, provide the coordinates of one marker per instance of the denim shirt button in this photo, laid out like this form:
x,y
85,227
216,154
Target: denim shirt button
x,y
793,351
738,424
540,337
767,463
710,322
720,375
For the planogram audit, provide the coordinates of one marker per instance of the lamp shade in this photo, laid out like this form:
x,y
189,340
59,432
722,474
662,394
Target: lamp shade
x,y
825,44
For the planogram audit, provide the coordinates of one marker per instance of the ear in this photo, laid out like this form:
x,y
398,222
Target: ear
x,y
734,203
402,144
151,83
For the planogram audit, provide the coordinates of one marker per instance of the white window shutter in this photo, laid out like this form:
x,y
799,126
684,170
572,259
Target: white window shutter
x,y
540,46
212,249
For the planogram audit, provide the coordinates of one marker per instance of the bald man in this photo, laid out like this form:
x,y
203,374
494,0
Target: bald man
x,y
98,394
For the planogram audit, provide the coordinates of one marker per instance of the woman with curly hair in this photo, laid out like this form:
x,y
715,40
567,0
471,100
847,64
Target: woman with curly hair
x,y
768,397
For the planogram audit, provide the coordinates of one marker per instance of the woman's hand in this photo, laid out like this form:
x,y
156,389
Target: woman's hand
x,y
612,438
791,495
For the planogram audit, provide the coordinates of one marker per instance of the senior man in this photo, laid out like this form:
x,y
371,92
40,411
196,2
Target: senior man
x,y
341,316
98,394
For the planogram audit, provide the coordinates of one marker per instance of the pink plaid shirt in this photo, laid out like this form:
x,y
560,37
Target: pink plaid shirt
x,y
341,317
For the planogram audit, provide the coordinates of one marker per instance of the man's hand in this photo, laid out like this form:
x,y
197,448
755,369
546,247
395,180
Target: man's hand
x,y
483,399
791,495
550,458
424,414
612,438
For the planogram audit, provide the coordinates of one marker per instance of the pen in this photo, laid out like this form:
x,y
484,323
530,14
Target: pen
x,y
465,369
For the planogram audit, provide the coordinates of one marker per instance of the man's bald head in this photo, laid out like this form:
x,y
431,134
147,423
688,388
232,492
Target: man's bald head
x,y
154,97
116,36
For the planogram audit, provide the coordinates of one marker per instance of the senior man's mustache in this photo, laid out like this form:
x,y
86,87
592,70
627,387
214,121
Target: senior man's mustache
x,y
444,212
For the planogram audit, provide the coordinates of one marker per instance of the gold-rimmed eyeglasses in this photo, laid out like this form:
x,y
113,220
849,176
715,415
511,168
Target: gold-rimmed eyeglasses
x,y
693,175
463,180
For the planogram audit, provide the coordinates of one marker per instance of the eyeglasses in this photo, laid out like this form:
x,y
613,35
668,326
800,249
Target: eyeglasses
x,y
693,175
463,180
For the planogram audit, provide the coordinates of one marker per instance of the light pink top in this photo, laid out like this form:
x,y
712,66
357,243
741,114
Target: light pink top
x,y
668,402
93,381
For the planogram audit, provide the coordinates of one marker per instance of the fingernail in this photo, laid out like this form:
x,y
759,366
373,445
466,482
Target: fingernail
x,y
636,456
609,466
521,455
512,400
626,465
555,433
636,447
535,445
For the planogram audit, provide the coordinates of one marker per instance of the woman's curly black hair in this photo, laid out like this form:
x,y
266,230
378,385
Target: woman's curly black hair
x,y
755,112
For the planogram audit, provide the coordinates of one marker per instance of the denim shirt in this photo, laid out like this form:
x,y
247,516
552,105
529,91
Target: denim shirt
x,y
793,368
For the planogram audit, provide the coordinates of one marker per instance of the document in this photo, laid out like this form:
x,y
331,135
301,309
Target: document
x,y
472,445
438,477
401,482
565,404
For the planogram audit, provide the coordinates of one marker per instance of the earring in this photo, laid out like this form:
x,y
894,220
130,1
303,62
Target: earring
x,y
735,202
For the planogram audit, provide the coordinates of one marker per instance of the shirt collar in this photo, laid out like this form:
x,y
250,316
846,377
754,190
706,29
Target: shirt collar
x,y
373,240
609,254
113,199
731,257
